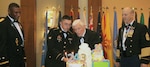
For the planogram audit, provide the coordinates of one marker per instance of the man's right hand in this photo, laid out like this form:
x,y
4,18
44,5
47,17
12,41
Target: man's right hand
x,y
65,59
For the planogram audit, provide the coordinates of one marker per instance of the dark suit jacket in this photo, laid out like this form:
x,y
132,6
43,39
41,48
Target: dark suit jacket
x,y
57,45
90,38
134,43
8,47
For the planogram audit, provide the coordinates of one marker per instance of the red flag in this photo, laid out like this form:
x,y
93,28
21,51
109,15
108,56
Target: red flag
x,y
91,27
78,13
72,14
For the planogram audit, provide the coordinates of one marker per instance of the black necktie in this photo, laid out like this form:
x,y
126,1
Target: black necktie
x,y
64,32
81,37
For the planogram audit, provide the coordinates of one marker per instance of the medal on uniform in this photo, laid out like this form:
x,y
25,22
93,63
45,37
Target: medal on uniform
x,y
20,26
132,28
60,31
131,31
17,41
70,39
12,25
59,38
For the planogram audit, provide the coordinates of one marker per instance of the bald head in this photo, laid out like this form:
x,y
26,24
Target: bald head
x,y
128,15
128,9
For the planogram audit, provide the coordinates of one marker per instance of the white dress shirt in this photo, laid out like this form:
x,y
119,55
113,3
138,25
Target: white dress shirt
x,y
125,32
18,27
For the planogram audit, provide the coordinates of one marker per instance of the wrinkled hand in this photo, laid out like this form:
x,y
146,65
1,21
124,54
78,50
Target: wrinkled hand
x,y
144,65
65,59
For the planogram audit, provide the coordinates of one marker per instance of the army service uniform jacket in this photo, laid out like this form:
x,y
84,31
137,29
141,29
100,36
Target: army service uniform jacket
x,y
57,46
11,43
90,38
137,42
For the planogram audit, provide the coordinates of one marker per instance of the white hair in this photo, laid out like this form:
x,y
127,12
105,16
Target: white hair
x,y
78,22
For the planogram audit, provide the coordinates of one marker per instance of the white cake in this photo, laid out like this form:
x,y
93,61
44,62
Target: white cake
x,y
85,56
75,65
97,54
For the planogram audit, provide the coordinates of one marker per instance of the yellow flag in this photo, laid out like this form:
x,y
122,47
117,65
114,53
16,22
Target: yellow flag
x,y
106,38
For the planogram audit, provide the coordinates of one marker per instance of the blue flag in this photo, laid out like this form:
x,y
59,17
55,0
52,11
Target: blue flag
x,y
78,17
115,31
44,47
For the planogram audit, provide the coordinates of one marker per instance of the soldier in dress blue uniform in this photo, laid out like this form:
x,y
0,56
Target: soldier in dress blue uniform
x,y
59,42
133,49
12,39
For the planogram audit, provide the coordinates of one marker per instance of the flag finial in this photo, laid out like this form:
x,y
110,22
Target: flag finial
x,y
59,7
84,8
107,7
100,8
114,8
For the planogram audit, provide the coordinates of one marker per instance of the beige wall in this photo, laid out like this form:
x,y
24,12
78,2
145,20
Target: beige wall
x,y
42,6
4,6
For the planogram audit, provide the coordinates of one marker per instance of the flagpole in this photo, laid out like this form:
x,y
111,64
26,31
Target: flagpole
x,y
44,48
115,31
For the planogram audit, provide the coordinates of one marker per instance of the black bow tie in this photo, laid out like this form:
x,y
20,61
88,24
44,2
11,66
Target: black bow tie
x,y
16,21
81,37
127,26
64,32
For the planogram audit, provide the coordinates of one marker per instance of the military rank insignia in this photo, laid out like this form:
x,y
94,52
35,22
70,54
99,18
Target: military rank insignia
x,y
147,36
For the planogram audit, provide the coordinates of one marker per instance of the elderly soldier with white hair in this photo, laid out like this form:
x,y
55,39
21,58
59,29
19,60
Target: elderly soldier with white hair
x,y
83,35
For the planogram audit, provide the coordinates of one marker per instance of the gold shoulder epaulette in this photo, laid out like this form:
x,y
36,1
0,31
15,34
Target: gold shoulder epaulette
x,y
1,19
55,29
